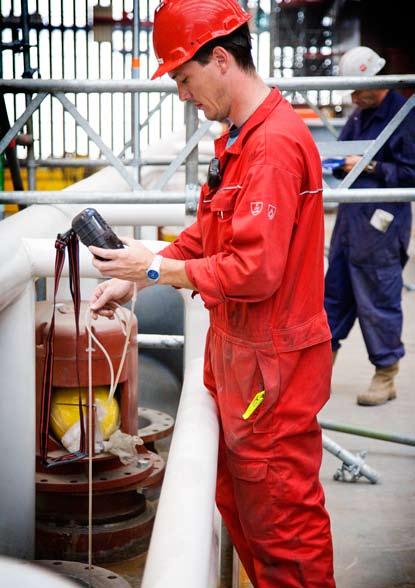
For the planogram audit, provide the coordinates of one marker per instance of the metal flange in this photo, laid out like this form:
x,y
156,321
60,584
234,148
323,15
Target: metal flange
x,y
95,577
120,478
110,542
64,508
154,424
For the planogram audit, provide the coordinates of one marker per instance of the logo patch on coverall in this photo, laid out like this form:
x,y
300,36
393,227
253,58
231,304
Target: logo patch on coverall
x,y
256,208
271,211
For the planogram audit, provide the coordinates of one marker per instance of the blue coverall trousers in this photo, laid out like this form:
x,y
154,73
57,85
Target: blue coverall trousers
x,y
364,280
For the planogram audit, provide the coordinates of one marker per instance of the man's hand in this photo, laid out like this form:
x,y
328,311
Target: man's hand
x,y
129,264
107,295
350,162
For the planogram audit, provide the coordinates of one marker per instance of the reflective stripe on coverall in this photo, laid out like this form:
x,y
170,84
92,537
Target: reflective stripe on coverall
x,y
255,255
364,278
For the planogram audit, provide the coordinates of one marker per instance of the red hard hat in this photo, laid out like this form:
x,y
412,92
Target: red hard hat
x,y
181,27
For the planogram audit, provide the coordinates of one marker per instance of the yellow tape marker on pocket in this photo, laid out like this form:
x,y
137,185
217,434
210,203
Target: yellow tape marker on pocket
x,y
253,405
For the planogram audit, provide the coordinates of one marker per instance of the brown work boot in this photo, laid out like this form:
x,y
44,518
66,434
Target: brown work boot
x,y
382,387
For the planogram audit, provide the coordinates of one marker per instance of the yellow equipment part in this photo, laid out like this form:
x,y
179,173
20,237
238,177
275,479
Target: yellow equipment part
x,y
65,411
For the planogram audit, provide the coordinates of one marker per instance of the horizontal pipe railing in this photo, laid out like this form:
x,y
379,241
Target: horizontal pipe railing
x,y
153,341
59,197
59,87
127,86
160,197
74,162
371,434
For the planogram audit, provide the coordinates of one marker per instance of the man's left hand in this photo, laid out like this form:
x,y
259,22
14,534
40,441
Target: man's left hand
x,y
350,162
129,263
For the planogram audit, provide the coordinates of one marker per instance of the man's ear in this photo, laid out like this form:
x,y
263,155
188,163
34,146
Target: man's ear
x,y
222,58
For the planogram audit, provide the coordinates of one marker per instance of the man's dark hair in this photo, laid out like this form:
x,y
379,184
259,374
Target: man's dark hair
x,y
238,43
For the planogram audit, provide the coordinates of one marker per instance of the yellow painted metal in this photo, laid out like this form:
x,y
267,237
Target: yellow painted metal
x,y
47,178
50,178
239,576
243,578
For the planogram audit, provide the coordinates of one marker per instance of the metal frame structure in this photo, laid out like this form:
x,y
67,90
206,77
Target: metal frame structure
x,y
189,155
76,39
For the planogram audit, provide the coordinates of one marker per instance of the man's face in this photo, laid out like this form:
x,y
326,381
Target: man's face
x,y
205,87
370,98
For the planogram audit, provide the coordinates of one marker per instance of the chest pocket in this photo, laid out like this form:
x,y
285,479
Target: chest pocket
x,y
223,203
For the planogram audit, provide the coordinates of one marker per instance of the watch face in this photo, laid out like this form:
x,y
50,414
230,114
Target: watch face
x,y
153,274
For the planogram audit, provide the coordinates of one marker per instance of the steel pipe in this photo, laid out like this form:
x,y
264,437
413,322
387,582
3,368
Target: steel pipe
x,y
150,341
158,161
66,197
391,437
338,195
369,195
126,86
354,464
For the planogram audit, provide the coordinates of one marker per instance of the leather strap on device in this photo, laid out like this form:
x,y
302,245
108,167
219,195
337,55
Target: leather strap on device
x,y
67,240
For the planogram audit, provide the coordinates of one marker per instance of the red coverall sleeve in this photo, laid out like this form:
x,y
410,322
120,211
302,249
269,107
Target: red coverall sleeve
x,y
188,244
251,266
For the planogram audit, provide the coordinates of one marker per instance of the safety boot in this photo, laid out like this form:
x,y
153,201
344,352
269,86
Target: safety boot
x,y
382,387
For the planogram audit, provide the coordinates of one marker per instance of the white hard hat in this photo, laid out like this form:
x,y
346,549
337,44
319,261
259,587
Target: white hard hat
x,y
360,61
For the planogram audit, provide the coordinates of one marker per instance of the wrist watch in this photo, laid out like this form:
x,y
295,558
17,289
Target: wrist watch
x,y
153,270
371,166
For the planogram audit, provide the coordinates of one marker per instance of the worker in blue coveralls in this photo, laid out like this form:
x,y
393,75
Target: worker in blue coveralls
x,y
369,244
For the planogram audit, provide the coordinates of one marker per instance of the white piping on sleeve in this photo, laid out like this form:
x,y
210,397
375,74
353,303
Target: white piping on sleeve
x,y
311,191
230,188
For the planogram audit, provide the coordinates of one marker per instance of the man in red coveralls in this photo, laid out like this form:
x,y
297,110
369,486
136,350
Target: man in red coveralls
x,y
255,255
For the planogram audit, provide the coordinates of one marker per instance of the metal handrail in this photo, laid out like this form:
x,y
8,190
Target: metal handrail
x,y
338,195
188,154
127,86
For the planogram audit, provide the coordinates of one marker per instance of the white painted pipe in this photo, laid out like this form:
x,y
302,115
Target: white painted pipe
x,y
18,426
15,572
39,222
153,341
180,553
41,256
143,214
196,323
15,269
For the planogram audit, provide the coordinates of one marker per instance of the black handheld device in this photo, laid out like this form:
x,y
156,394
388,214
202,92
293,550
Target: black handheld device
x,y
92,229
214,174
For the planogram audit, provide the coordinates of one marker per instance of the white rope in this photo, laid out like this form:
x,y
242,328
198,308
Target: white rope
x,y
96,340
127,332
127,340
114,382
90,456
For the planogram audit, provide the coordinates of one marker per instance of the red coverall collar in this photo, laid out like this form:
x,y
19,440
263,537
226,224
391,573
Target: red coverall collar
x,y
257,118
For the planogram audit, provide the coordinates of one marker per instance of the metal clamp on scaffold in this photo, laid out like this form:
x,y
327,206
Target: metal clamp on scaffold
x,y
353,466
191,199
